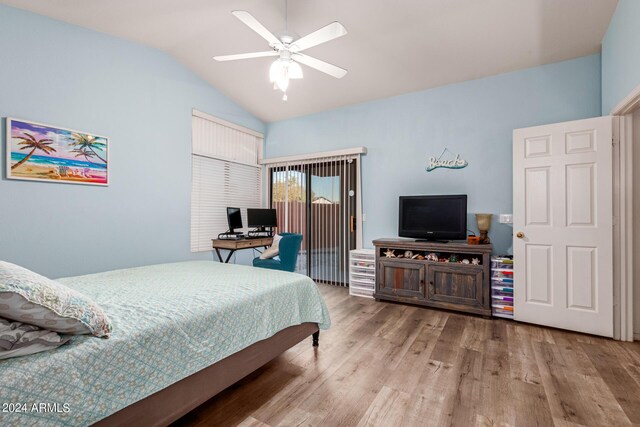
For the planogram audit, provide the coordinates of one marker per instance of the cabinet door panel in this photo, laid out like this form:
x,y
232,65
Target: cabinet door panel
x,y
455,285
401,278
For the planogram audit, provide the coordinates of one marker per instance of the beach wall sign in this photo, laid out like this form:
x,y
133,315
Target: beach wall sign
x,y
38,152
455,163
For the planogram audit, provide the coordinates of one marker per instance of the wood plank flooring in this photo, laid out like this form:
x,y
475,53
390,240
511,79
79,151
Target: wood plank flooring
x,y
384,364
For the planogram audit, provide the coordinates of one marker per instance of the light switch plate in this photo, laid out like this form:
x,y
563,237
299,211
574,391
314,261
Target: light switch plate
x,y
506,218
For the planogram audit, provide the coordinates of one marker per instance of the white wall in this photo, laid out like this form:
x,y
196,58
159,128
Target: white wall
x,y
636,223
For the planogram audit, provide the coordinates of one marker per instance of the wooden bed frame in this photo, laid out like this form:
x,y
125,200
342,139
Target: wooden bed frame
x,y
171,403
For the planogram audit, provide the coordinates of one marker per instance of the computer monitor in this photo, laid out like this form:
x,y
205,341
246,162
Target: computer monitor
x,y
262,218
234,218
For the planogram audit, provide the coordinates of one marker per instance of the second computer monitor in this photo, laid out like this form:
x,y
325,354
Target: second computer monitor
x,y
262,218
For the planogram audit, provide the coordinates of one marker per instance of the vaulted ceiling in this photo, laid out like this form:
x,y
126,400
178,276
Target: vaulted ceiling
x,y
392,47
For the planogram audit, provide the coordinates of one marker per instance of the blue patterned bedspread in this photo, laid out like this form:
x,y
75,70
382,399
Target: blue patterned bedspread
x,y
169,321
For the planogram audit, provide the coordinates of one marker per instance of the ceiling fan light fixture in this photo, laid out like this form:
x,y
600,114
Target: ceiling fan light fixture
x,y
295,70
283,84
279,74
275,71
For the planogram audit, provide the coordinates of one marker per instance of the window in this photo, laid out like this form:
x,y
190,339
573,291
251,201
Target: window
x,y
225,172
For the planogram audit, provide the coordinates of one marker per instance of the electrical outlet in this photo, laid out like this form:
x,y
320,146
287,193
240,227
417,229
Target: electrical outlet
x,y
506,218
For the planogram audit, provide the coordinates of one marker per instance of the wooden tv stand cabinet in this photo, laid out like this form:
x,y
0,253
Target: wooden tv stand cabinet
x,y
449,285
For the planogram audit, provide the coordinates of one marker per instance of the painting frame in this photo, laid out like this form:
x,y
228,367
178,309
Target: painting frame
x,y
63,169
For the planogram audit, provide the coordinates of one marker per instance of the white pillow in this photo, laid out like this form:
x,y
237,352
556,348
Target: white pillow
x,y
272,250
28,297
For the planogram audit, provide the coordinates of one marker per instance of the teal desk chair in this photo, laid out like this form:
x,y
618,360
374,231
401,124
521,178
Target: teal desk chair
x,y
288,247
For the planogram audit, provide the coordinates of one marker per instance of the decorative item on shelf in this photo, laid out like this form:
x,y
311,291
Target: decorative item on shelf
x,y
453,258
432,257
473,240
416,256
475,261
443,259
408,254
484,224
400,256
390,253
465,261
420,257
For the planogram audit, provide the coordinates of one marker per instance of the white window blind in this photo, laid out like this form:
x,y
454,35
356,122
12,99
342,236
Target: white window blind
x,y
318,198
225,172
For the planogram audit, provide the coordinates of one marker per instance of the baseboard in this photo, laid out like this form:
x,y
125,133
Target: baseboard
x,y
636,337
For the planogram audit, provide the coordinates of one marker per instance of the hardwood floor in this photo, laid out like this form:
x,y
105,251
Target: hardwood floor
x,y
383,364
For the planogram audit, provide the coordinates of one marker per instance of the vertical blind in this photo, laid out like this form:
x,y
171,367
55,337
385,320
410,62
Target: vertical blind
x,y
225,173
315,197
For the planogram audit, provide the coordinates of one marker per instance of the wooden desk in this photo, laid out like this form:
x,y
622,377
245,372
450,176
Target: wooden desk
x,y
234,245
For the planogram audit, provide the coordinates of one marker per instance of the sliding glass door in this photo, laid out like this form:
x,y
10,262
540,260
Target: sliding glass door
x,y
318,200
332,213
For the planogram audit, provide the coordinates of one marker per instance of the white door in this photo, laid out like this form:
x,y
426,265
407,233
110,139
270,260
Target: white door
x,y
563,225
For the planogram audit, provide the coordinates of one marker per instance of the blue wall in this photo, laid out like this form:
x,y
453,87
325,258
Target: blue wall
x,y
64,75
621,55
142,99
474,118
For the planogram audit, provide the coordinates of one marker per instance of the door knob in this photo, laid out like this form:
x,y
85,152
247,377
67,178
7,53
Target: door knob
x,y
519,234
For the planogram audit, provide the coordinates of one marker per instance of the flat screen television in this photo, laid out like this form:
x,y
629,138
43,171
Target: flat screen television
x,y
262,218
433,217
234,219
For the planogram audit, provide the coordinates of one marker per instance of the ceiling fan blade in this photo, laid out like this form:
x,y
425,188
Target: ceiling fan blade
x,y
324,34
319,65
256,26
245,55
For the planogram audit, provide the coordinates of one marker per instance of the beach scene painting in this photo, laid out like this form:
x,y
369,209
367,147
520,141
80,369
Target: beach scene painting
x,y
39,152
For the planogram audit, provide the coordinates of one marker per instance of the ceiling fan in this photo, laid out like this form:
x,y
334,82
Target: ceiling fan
x,y
287,48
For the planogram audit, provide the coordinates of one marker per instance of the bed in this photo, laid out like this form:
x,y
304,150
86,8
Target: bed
x,y
182,332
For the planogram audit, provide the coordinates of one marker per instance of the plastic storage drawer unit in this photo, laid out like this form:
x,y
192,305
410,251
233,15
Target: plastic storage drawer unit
x,y
362,272
502,295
